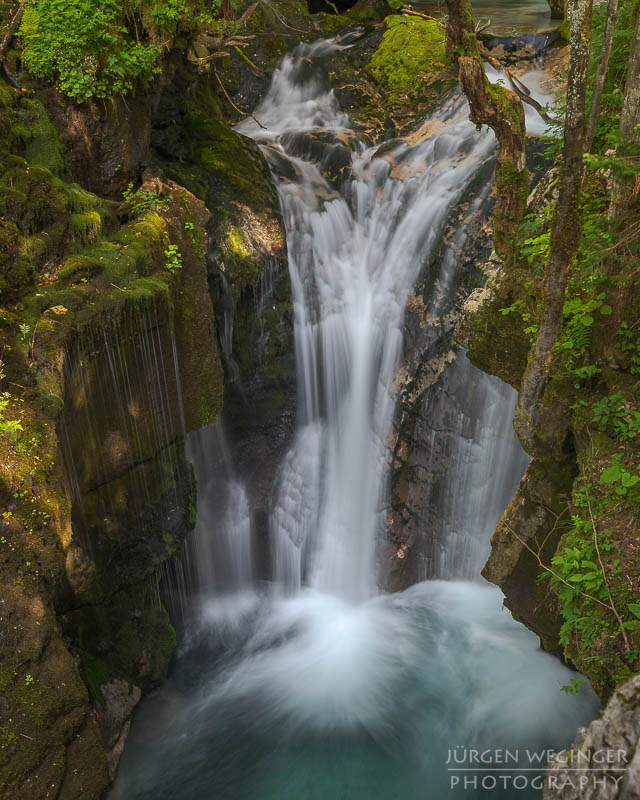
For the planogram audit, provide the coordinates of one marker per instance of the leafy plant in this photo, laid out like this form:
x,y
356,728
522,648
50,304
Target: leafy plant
x,y
536,231
619,414
623,482
139,202
174,258
8,427
579,318
85,47
629,343
574,686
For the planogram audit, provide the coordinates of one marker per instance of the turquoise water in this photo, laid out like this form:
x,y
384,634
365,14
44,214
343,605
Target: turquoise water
x,y
507,17
314,699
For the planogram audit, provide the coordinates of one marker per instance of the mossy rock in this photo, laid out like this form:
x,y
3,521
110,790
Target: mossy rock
x,y
410,50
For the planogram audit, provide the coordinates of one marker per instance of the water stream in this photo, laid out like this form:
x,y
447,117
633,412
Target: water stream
x,y
315,684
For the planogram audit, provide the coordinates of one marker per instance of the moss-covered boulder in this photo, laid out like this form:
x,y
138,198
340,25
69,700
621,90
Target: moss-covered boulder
x,y
410,67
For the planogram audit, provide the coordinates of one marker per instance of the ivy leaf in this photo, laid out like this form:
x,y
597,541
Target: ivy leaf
x,y
629,480
606,310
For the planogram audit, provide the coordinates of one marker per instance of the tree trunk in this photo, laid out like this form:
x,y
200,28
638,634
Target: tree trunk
x,y
601,74
558,8
624,195
565,232
461,38
625,191
501,110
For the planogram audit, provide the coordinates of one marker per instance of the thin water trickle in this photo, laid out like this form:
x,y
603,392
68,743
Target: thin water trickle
x,y
319,686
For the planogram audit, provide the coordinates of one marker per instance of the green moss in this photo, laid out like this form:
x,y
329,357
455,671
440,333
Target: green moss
x,y
78,267
409,48
33,699
87,226
564,29
368,11
140,640
43,145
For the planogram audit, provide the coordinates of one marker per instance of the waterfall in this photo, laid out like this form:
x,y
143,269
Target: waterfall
x,y
354,256
324,687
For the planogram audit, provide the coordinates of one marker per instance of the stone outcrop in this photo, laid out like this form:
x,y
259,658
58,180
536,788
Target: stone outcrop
x,y
603,763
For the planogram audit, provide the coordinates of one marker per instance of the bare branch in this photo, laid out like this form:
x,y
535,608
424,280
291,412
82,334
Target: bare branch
x,y
524,93
239,110
12,27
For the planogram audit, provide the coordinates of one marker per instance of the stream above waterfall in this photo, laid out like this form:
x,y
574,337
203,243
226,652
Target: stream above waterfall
x,y
313,684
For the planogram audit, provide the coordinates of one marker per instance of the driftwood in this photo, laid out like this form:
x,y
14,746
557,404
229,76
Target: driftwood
x,y
524,94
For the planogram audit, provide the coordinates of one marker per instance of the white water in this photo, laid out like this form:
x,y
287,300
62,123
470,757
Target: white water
x,y
322,688
353,259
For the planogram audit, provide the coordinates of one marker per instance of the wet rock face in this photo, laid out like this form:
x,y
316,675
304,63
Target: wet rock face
x,y
603,763
514,49
319,6
105,143
435,409
330,150
247,272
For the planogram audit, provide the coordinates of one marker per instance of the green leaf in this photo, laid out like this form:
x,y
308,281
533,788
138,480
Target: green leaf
x,y
576,578
611,474
606,310
634,608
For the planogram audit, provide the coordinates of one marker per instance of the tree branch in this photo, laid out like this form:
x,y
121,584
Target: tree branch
x,y
12,27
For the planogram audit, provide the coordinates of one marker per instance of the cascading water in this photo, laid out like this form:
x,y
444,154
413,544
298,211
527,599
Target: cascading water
x,y
324,689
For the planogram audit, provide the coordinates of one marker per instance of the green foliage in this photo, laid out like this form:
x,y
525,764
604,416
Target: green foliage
x,y
139,202
579,582
617,414
8,427
629,343
598,599
174,258
168,12
85,47
101,49
611,103
534,239
623,482
573,687
579,319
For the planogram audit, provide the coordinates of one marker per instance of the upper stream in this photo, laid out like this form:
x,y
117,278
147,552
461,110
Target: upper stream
x,y
315,684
